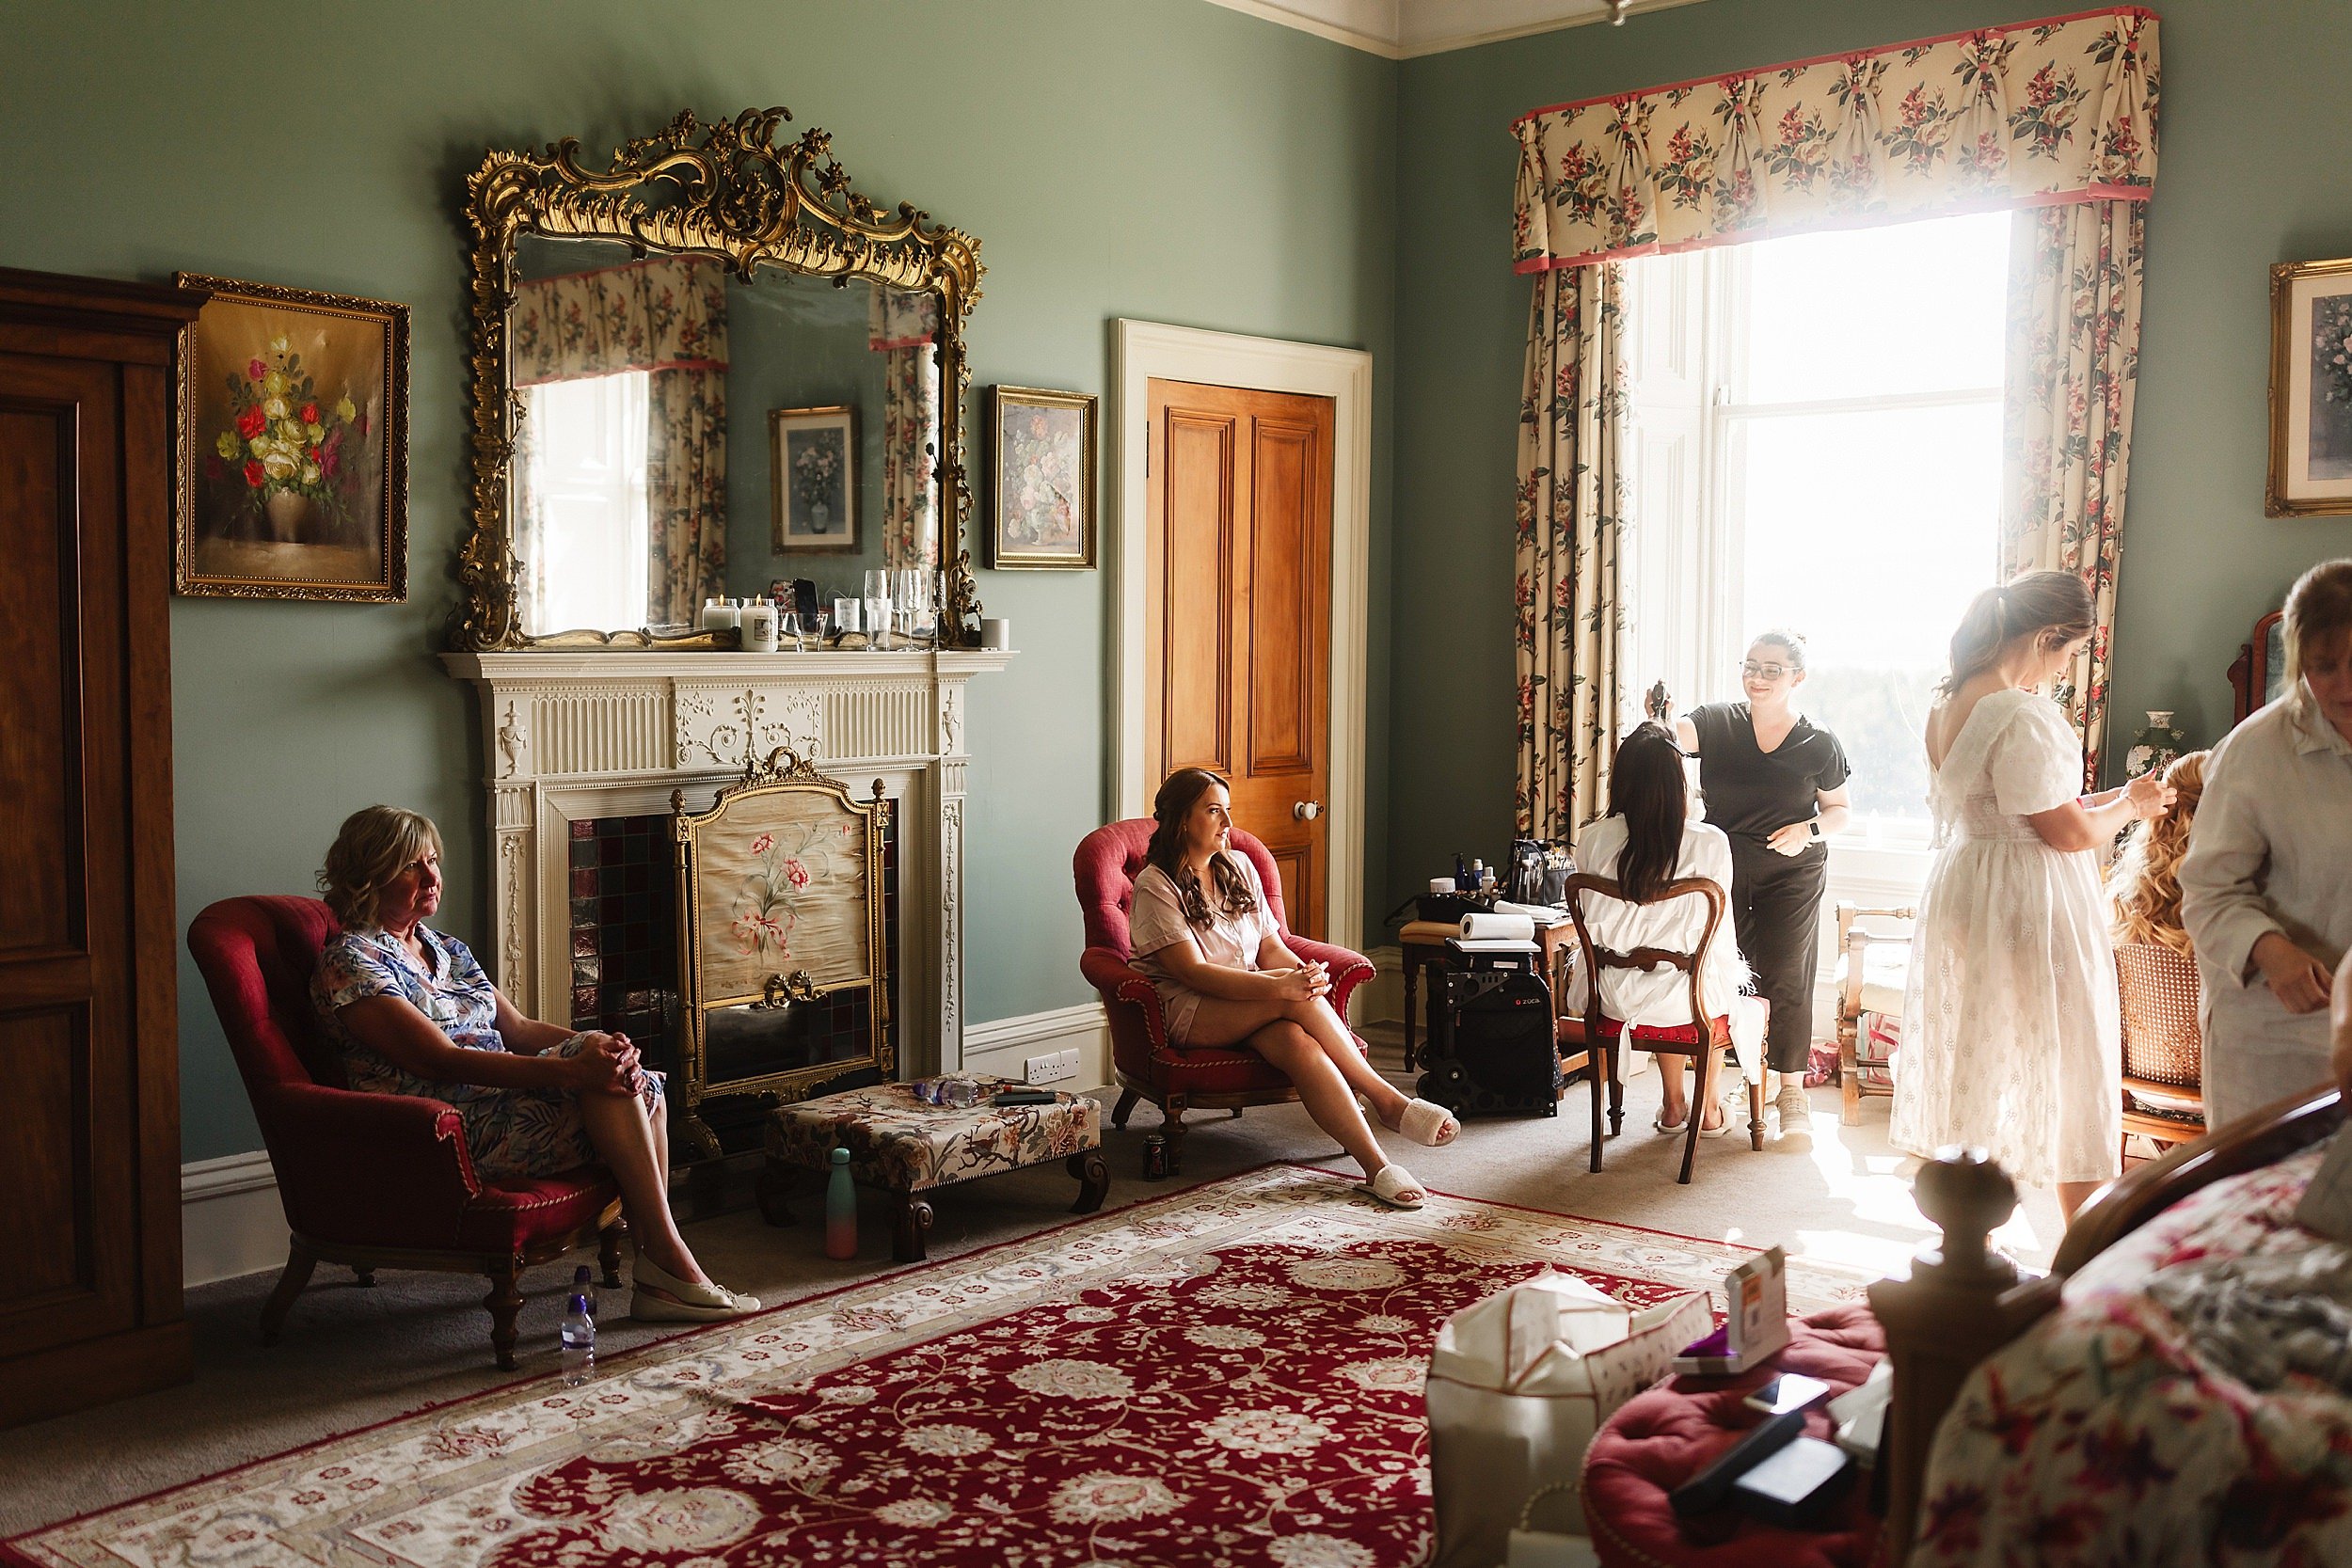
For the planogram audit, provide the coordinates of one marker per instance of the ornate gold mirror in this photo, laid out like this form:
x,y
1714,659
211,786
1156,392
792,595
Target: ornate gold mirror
x,y
785,912
708,369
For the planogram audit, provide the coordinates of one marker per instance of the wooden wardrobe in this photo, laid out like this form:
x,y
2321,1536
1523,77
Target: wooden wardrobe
x,y
89,1143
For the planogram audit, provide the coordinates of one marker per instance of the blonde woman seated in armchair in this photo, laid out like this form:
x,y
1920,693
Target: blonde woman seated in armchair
x,y
414,1014
1201,930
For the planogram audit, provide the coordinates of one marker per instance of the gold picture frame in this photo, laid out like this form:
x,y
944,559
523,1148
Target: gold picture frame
x,y
1041,480
783,837
291,470
2311,390
807,510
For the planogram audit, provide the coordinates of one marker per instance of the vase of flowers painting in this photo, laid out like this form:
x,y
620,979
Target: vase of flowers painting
x,y
292,441
813,473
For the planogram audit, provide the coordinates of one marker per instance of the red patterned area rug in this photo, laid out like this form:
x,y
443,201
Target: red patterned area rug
x,y
1231,1375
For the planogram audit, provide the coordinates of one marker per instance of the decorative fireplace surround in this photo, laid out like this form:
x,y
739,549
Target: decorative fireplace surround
x,y
573,737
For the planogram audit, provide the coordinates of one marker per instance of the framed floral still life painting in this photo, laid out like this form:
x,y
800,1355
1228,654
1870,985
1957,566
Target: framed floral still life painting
x,y
2311,388
292,470
1042,473
812,478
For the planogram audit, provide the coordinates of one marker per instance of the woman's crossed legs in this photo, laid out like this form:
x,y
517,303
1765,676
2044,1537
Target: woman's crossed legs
x,y
1307,1040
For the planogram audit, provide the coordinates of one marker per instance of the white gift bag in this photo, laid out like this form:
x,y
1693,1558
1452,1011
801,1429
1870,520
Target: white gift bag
x,y
1518,1383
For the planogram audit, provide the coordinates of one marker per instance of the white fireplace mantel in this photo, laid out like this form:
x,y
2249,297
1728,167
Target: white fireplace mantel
x,y
575,736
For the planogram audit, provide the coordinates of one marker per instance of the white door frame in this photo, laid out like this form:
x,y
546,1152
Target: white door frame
x,y
1144,350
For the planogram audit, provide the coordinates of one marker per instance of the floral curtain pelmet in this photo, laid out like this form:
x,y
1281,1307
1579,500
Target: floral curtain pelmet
x,y
2043,112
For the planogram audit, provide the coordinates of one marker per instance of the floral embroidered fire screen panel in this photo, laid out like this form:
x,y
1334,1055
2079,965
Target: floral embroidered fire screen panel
x,y
785,910
2058,114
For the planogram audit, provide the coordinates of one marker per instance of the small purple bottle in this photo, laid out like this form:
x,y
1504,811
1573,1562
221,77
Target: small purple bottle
x,y
841,1209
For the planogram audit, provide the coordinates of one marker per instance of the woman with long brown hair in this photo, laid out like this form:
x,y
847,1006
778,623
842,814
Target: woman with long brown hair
x,y
1648,839
1201,928
2011,1033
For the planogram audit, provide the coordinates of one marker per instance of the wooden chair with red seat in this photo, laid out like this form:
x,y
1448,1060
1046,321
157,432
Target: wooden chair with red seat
x,y
375,1180
1602,1033
1146,1065
2164,1056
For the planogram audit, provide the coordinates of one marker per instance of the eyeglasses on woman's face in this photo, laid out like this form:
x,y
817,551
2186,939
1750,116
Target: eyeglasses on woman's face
x,y
1755,672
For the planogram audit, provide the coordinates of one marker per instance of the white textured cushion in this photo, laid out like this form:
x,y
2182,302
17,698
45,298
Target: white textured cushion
x,y
1886,968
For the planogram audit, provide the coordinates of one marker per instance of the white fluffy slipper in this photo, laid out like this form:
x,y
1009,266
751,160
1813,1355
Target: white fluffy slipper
x,y
1428,1123
1390,1184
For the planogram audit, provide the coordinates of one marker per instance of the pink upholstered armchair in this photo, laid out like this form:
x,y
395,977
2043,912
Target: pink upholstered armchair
x,y
1149,1067
374,1180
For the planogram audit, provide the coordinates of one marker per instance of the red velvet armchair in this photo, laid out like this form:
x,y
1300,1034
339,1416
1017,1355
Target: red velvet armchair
x,y
374,1180
1147,1067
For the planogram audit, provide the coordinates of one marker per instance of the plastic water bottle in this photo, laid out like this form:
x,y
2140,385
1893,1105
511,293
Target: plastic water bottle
x,y
841,1209
585,1288
579,1340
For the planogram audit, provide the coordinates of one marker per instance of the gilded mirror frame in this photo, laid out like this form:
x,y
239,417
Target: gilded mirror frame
x,y
725,190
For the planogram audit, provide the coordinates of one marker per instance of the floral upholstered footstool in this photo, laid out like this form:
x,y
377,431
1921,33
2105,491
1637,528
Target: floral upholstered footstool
x,y
906,1148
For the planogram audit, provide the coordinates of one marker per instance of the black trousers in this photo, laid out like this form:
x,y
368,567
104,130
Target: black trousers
x,y
1775,913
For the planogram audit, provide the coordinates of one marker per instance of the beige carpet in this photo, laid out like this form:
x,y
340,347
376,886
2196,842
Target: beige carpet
x,y
350,1356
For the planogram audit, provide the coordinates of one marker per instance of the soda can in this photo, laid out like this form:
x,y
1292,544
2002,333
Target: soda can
x,y
1155,1165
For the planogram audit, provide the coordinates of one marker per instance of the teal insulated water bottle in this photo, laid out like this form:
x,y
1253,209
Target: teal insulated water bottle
x,y
841,1209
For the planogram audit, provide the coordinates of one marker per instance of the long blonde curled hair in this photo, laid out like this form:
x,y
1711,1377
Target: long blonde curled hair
x,y
2145,883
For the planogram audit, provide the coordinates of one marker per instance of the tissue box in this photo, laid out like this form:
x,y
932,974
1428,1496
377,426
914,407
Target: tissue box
x,y
1756,1320
1518,1383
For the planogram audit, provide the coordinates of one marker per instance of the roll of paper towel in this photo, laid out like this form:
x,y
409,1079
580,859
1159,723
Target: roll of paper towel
x,y
1498,927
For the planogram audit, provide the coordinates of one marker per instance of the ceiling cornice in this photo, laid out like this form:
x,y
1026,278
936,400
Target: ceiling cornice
x,y
1403,29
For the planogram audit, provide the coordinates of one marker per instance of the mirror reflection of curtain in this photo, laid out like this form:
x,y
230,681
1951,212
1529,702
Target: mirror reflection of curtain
x,y
904,328
667,316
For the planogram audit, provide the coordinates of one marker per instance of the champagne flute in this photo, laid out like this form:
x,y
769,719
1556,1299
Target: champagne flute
x,y
788,632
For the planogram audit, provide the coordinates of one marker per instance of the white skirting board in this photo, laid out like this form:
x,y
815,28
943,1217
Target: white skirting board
x,y
230,1221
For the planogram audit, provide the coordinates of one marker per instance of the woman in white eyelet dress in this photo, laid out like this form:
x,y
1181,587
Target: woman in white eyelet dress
x,y
2012,1034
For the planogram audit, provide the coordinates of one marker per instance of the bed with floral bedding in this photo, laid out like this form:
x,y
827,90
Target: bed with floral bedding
x,y
2189,1401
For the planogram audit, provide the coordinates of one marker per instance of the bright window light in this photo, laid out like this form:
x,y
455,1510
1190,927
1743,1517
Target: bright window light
x,y
588,480
1818,447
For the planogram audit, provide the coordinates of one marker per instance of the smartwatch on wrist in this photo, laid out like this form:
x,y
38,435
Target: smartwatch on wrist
x,y
1813,828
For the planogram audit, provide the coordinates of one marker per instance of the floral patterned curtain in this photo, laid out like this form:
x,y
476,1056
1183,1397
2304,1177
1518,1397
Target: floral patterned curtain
x,y
686,494
2043,112
2066,417
904,328
1571,506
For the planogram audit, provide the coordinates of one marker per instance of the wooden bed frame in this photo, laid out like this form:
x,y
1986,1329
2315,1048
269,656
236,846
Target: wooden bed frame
x,y
1963,1301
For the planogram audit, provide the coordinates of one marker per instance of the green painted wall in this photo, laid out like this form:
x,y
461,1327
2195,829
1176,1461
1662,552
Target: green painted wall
x,y
2256,134
1164,159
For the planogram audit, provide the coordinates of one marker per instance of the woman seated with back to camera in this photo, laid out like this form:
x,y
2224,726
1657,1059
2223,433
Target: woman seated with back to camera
x,y
1202,930
1648,839
413,1014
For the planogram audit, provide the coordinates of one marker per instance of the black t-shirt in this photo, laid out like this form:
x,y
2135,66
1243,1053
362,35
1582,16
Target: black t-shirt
x,y
1753,792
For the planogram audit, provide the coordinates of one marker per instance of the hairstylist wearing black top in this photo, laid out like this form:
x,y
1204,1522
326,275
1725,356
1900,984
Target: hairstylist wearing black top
x,y
1775,783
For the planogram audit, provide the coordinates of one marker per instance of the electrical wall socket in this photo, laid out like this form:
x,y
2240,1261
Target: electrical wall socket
x,y
1054,1068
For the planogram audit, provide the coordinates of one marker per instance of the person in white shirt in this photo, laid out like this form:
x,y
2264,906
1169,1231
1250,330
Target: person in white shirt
x,y
1201,928
2267,890
1651,838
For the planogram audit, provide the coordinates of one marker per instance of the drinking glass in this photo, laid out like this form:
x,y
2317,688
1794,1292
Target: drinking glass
x,y
878,606
845,614
923,597
819,625
788,631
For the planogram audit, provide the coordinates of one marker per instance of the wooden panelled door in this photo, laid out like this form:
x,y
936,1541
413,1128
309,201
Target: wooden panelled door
x,y
89,1161
1238,614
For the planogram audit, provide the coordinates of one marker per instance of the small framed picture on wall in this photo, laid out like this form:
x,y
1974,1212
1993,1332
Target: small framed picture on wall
x,y
293,445
2311,388
1041,478
812,478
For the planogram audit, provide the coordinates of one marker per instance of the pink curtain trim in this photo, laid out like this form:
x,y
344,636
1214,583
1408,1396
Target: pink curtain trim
x,y
1730,76
1857,220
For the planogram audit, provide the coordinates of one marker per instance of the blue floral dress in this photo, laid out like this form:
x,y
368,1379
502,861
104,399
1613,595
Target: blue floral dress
x,y
510,1132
